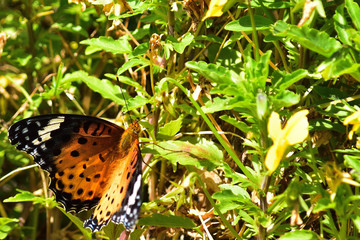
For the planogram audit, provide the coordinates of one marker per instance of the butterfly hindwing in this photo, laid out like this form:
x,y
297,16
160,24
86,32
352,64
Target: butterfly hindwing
x,y
121,204
130,207
88,159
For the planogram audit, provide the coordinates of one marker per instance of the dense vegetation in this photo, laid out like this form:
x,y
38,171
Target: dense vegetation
x,y
246,110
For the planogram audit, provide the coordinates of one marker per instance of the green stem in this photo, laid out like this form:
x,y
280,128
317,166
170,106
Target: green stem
x,y
216,134
254,33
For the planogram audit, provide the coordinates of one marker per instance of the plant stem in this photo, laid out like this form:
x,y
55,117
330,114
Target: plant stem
x,y
216,134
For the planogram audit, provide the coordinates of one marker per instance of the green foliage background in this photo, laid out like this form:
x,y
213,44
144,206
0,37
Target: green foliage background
x,y
210,87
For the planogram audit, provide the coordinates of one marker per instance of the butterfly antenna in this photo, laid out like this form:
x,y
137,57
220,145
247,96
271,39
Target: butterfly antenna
x,y
127,108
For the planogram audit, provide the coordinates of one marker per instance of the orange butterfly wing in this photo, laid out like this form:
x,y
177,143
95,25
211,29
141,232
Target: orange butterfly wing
x,y
91,162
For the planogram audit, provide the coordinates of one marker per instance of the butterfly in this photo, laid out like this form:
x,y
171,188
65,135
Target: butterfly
x,y
91,162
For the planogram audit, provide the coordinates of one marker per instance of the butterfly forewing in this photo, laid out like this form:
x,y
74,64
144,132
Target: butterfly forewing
x,y
87,159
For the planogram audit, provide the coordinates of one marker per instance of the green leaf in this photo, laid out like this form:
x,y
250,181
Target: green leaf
x,y
286,99
353,162
108,90
242,126
291,78
169,130
209,38
231,192
220,104
128,81
341,25
217,74
300,234
338,65
167,221
79,223
139,51
315,40
25,196
271,4
232,197
132,63
204,154
179,46
244,24
7,225
326,124
354,12
69,27
136,102
324,204
105,87
355,218
257,71
108,44
331,93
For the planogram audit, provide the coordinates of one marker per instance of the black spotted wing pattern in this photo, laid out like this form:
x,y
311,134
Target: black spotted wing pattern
x,y
84,157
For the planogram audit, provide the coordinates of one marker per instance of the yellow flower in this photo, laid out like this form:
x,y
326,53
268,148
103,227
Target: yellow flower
x,y
218,7
355,120
215,9
295,131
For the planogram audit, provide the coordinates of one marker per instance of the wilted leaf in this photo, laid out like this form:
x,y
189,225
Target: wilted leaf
x,y
203,154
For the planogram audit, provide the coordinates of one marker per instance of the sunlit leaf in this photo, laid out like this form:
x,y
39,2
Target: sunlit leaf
x,y
25,196
341,25
300,234
315,40
169,130
105,87
167,221
7,225
354,12
108,44
132,63
291,78
244,24
214,73
179,46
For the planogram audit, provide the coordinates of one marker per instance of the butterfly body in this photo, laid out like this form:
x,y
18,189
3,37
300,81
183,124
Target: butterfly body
x,y
91,162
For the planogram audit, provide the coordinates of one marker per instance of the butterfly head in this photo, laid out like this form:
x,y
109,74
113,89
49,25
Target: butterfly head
x,y
135,127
